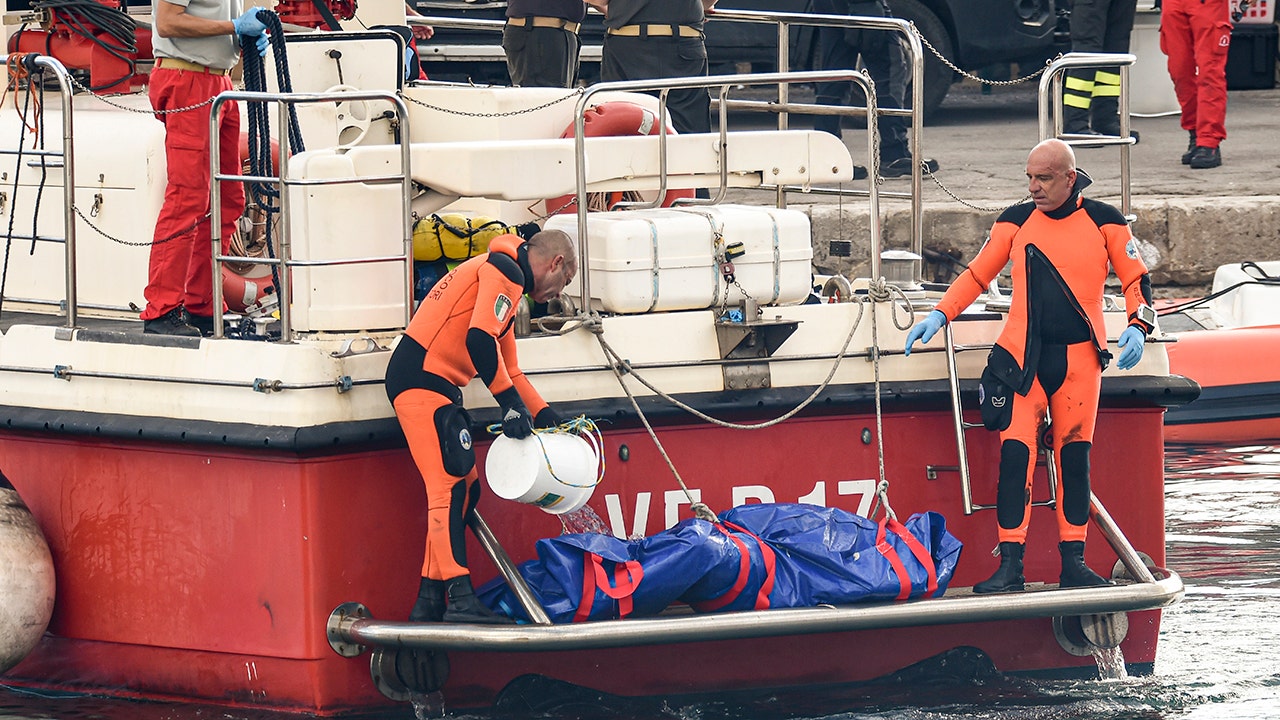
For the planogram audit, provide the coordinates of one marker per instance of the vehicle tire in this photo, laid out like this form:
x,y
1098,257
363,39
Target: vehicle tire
x,y
937,76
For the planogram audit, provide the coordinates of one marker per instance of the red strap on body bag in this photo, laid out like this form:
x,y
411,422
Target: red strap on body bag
x,y
744,572
921,555
626,578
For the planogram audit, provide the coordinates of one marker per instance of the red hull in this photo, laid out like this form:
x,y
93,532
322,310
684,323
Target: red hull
x,y
209,573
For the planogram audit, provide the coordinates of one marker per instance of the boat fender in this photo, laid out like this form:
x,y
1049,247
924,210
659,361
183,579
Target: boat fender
x,y
454,237
26,579
453,426
617,118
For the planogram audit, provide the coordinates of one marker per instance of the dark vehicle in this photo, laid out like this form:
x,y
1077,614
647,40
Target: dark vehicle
x,y
972,34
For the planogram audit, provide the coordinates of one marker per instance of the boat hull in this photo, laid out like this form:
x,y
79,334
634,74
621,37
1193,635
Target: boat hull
x,y
1240,392
208,572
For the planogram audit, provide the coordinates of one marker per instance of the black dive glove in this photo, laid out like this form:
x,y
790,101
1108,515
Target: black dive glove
x,y
547,418
516,420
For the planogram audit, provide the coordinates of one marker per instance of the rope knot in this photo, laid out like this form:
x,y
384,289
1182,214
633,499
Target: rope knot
x,y
702,512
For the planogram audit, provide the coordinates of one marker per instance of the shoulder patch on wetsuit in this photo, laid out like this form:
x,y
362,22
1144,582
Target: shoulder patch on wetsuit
x,y
1103,214
508,266
1017,214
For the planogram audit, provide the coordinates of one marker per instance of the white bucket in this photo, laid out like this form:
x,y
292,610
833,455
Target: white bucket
x,y
557,471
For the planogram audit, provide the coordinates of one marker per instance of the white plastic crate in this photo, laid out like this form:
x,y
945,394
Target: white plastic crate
x,y
667,259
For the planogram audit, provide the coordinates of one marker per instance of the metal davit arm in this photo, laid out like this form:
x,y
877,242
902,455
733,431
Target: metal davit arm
x,y
509,571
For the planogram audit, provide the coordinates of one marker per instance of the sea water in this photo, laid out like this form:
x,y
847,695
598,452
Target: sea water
x,y
1217,657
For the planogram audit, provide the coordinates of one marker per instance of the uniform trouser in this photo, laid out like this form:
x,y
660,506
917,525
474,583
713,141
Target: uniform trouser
x,y
452,487
181,266
1068,380
647,58
1098,26
541,56
881,54
1196,36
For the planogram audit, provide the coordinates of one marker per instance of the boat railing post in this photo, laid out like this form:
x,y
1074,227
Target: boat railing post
x,y
509,571
1119,543
957,420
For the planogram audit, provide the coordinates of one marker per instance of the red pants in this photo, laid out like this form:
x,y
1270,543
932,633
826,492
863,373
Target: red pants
x,y
1196,34
181,268
1073,410
449,497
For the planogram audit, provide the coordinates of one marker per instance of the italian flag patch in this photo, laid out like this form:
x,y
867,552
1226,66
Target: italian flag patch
x,y
502,307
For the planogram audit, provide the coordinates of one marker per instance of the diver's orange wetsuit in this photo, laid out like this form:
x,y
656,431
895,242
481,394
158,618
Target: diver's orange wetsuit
x,y
461,330
1052,349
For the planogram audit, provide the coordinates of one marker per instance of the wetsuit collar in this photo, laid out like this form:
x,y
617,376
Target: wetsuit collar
x,y
522,257
1082,181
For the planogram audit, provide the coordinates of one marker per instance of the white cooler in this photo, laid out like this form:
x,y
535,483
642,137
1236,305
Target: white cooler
x,y
668,259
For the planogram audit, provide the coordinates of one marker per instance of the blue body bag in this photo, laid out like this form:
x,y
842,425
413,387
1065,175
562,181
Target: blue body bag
x,y
757,557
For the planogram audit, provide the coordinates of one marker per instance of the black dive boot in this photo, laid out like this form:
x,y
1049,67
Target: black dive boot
x,y
464,607
1074,572
1008,577
431,601
1105,114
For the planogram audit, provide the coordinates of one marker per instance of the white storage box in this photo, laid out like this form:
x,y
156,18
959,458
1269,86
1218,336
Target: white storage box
x,y
669,259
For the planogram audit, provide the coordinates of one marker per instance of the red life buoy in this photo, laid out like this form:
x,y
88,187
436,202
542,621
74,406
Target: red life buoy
x,y
613,119
241,292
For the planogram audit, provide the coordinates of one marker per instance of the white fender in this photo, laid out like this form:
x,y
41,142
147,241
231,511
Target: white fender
x,y
26,579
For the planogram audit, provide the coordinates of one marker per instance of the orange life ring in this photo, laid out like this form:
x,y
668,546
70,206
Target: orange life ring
x,y
241,292
613,119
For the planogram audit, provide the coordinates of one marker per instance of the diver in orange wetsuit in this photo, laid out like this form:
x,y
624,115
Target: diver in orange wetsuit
x,y
1053,347
462,330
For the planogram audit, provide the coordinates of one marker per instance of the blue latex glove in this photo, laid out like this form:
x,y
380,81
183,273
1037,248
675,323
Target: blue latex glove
x,y
248,24
261,43
926,329
1131,344
408,64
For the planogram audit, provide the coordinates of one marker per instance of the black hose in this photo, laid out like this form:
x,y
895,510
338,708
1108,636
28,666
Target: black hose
x,y
90,19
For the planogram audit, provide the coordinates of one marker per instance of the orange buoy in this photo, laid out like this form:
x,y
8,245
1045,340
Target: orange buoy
x,y
615,118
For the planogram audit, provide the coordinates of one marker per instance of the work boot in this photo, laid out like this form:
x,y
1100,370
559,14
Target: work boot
x,y
1191,149
1075,121
859,172
431,602
902,166
1205,157
1104,114
170,323
1008,577
202,323
464,607
1074,572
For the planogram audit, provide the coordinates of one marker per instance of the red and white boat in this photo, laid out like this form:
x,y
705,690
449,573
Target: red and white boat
x,y
210,502
1227,343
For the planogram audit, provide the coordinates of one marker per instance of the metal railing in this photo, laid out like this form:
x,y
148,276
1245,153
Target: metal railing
x,y
1050,110
283,182
68,157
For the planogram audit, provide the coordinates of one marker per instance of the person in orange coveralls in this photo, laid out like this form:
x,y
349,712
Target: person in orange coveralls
x,y
462,330
1196,35
1053,348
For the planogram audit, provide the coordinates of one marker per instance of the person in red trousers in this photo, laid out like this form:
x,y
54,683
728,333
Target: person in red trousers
x,y
1196,35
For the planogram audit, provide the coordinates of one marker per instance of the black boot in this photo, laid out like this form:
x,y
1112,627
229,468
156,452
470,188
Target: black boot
x,y
431,601
1074,572
1008,577
1105,117
1191,149
1075,121
464,607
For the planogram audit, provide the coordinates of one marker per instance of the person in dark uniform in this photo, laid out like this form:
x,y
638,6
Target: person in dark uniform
x,y
1091,97
883,57
647,39
541,41
462,330
1053,348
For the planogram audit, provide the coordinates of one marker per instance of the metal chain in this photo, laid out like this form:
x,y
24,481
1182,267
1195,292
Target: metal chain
x,y
964,202
955,68
104,98
508,113
145,243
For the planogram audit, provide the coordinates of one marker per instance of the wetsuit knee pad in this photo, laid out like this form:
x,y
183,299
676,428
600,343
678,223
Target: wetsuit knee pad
x,y
1074,458
1011,491
458,522
453,427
